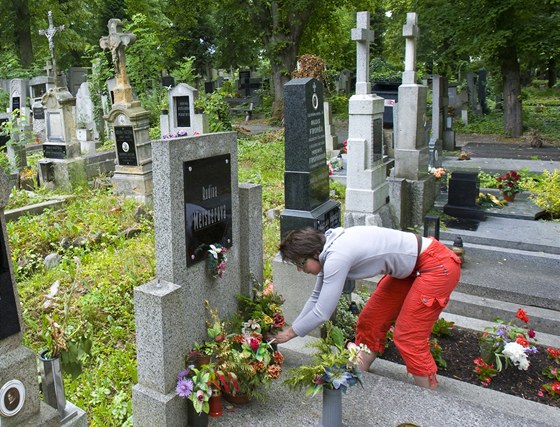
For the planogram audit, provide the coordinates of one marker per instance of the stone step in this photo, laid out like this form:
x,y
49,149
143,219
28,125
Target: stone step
x,y
474,307
511,275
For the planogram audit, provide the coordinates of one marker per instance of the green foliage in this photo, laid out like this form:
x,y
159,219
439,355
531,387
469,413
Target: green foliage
x,y
148,56
331,360
442,328
545,192
339,104
4,100
381,71
217,109
186,71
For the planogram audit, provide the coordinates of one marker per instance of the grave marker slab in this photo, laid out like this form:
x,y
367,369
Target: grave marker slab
x,y
126,146
306,180
181,108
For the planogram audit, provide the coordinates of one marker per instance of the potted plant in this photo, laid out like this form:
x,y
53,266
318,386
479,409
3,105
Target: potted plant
x,y
509,185
441,176
334,368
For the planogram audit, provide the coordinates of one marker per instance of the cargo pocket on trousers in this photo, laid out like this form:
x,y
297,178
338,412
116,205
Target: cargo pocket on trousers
x,y
429,301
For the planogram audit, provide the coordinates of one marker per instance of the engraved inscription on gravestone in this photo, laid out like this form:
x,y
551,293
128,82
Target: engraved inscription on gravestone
x,y
38,113
126,147
207,188
54,126
52,151
8,308
16,103
182,109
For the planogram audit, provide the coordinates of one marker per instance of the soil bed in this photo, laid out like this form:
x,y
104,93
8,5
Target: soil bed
x,y
461,348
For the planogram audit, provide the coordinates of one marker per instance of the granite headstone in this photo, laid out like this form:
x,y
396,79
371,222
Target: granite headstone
x,y
306,180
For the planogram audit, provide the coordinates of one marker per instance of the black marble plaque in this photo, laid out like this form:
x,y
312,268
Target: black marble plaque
x,y
52,151
3,138
207,190
126,147
9,320
38,113
16,103
183,111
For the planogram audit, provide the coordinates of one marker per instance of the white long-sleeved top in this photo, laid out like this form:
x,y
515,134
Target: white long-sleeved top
x,y
355,253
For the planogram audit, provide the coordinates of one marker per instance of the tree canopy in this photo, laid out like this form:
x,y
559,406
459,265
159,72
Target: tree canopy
x,y
512,39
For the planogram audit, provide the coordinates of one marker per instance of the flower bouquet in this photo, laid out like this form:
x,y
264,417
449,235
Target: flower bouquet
x,y
334,366
504,345
195,384
241,352
217,260
263,310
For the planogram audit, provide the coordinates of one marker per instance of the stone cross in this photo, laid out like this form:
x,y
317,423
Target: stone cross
x,y
363,37
49,33
411,33
117,41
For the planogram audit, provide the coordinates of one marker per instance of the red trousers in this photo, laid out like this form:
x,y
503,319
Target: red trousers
x,y
413,305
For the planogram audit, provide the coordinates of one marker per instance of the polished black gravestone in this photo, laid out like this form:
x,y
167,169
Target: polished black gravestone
x,y
464,188
207,191
306,179
9,320
126,147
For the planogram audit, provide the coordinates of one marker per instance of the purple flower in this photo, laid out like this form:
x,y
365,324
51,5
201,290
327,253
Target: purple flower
x,y
183,374
184,387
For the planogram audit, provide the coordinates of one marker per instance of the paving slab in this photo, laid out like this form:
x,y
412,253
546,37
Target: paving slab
x,y
389,399
512,150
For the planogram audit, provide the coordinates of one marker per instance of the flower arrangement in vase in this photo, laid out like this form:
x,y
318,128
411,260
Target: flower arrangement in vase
x,y
334,366
217,260
509,184
441,176
239,348
504,345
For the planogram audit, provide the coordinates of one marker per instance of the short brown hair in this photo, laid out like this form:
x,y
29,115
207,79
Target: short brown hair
x,y
303,243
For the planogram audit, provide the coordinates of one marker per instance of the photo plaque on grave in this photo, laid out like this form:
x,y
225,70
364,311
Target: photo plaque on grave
x,y
10,320
207,191
183,111
54,151
126,147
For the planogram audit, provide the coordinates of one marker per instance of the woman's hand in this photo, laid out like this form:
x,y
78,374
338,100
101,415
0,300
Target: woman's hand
x,y
283,336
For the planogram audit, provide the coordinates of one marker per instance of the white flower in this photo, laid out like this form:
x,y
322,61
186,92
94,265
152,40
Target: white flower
x,y
516,353
215,251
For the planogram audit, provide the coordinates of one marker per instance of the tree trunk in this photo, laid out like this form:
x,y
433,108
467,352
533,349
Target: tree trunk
x,y
551,72
511,75
22,32
283,46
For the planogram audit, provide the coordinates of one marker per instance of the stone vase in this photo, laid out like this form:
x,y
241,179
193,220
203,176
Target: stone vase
x,y
332,408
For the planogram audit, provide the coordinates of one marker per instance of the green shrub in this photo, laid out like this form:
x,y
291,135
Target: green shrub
x,y
545,192
217,109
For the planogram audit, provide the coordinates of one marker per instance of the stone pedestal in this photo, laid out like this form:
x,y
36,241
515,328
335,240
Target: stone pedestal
x,y
367,190
133,173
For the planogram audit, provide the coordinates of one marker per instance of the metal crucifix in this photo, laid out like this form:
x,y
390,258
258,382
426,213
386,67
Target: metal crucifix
x,y
49,33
